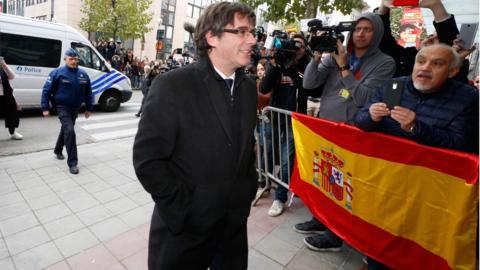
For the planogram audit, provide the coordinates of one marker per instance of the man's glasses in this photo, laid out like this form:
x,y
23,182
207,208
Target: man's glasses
x,y
241,31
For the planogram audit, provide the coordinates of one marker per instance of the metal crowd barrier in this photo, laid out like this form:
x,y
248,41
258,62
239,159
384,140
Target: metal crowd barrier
x,y
273,131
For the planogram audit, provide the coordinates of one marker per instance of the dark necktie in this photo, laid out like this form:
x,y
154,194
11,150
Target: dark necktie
x,y
229,83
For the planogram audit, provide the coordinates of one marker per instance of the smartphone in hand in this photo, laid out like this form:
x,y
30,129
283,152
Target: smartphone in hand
x,y
468,31
393,96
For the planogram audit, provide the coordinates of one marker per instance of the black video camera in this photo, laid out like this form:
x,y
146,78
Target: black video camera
x,y
324,38
285,48
260,34
256,49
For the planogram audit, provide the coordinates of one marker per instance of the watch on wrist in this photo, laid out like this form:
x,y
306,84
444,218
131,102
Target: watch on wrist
x,y
412,129
344,67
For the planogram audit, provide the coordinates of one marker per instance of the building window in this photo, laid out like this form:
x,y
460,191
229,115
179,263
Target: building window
x,y
20,6
11,7
168,19
88,57
41,1
29,3
169,33
188,44
30,51
195,7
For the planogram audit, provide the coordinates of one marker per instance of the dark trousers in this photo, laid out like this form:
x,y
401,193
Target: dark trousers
x,y
287,149
221,247
8,110
331,237
67,138
141,105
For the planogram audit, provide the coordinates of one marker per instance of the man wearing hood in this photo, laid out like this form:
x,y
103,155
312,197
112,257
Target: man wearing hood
x,y
350,76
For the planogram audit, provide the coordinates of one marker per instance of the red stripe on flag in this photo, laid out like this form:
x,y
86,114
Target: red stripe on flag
x,y
391,250
459,164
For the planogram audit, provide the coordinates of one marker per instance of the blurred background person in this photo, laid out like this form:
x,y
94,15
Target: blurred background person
x,y
8,105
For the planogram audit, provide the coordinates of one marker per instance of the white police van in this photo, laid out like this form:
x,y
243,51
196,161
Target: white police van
x,y
33,48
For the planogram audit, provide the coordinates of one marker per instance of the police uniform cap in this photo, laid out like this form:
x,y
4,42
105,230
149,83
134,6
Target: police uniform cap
x,y
71,52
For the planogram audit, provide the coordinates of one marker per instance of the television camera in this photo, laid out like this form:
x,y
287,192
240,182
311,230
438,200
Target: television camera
x,y
324,38
285,48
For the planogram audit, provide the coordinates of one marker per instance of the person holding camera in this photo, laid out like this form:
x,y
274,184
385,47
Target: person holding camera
x,y
284,81
8,105
350,76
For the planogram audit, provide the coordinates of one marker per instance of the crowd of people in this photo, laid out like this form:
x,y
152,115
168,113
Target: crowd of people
x,y
123,60
439,103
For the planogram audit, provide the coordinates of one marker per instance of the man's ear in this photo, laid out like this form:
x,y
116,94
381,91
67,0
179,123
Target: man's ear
x,y
211,39
452,72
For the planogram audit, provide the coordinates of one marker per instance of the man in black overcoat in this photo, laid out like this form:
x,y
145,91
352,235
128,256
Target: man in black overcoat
x,y
194,149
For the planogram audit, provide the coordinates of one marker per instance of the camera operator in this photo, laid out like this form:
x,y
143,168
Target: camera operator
x,y
350,76
285,83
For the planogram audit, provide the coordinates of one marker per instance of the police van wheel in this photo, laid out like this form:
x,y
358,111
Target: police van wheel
x,y
110,101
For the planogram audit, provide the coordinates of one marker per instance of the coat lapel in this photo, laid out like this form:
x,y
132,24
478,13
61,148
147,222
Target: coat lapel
x,y
216,88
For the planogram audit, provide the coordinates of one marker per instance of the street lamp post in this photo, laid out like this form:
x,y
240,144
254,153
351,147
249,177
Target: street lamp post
x,y
52,10
160,34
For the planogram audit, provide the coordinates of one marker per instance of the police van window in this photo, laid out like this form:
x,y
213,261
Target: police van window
x,y
87,57
30,51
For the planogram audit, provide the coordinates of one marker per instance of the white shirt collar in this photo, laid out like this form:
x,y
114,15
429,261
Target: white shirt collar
x,y
226,77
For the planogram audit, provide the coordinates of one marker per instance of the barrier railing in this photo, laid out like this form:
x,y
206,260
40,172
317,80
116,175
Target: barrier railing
x,y
275,149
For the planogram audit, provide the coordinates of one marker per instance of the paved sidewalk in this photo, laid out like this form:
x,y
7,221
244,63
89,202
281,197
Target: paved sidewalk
x,y
99,219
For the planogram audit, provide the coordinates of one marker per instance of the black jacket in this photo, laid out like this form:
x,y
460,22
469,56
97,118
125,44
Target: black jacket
x,y
292,98
194,154
9,105
447,118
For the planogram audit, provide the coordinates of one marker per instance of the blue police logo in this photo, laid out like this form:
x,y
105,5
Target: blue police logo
x,y
19,68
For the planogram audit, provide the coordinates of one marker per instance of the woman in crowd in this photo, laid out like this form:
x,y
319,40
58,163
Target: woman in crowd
x,y
8,105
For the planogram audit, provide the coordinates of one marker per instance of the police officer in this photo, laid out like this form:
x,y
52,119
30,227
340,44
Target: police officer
x,y
68,87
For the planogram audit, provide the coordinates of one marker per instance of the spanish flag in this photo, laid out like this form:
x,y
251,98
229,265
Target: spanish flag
x,y
407,205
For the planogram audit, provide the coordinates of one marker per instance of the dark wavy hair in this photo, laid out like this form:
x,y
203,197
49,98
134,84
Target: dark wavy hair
x,y
214,18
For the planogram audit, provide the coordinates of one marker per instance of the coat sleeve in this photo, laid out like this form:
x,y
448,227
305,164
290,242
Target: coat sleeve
x,y
447,30
362,117
9,72
363,89
154,146
461,134
316,73
89,98
269,81
48,89
388,44
302,95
